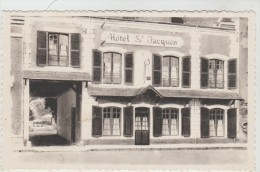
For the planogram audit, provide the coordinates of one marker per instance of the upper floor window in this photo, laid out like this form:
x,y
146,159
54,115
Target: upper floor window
x,y
58,49
212,73
170,71
107,69
166,71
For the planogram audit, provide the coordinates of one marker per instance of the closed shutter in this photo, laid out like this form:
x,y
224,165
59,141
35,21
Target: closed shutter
x,y
204,73
128,121
232,73
157,70
97,66
41,48
186,68
232,123
185,113
96,121
157,122
75,49
129,68
204,122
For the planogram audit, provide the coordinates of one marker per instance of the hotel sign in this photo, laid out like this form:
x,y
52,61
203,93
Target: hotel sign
x,y
141,39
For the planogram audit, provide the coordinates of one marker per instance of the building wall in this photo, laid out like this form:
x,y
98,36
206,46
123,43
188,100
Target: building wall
x,y
65,102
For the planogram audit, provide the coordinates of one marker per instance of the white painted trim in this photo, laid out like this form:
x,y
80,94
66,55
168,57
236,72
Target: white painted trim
x,y
217,56
172,53
113,49
217,106
171,105
113,104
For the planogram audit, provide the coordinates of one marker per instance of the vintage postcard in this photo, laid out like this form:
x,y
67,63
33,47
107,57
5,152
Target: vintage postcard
x,y
128,90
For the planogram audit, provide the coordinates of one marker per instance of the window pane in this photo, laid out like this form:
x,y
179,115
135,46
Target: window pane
x,y
63,49
166,72
107,67
116,68
174,71
53,49
219,74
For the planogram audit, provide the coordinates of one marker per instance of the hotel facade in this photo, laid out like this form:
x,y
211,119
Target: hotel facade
x,y
129,81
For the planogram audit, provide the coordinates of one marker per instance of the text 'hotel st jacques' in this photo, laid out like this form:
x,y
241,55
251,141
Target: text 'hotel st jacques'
x,y
88,81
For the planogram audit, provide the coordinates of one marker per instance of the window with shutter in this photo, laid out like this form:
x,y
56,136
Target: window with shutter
x,y
157,70
185,113
204,73
112,68
232,123
41,48
96,121
204,122
170,71
232,73
97,66
157,122
128,121
186,71
75,50
129,68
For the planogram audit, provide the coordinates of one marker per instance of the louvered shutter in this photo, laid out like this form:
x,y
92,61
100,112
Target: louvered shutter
x,y
157,122
129,68
96,121
157,70
186,72
204,73
42,48
97,66
185,113
204,122
75,49
128,121
232,123
232,73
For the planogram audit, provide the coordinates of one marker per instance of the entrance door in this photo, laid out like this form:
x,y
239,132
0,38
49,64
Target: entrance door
x,y
142,133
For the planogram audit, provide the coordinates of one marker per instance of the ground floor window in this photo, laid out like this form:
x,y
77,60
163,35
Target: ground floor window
x,y
216,122
111,121
170,122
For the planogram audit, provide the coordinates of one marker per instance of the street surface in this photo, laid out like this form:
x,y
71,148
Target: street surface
x,y
133,157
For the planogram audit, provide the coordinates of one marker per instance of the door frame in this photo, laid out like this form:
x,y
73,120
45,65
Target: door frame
x,y
148,109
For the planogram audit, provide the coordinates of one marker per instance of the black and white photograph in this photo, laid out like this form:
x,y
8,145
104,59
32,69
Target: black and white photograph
x,y
160,90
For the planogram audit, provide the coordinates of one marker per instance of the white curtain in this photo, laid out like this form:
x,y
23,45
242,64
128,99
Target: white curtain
x,y
107,130
174,129
138,123
116,127
220,128
212,128
166,127
145,123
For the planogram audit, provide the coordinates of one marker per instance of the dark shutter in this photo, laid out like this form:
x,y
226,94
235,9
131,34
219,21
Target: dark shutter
x,y
157,122
157,70
75,49
204,73
129,66
42,48
232,123
232,73
204,122
185,113
96,121
97,66
128,121
186,74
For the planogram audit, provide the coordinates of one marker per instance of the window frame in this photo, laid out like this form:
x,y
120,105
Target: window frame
x,y
170,57
111,117
169,118
215,124
215,74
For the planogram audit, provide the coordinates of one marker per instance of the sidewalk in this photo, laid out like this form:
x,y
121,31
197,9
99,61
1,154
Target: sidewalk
x,y
76,148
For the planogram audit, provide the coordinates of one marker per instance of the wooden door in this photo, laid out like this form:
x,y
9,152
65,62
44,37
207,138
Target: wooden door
x,y
142,131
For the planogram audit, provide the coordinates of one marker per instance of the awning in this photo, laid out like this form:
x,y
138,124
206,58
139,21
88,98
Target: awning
x,y
54,75
163,93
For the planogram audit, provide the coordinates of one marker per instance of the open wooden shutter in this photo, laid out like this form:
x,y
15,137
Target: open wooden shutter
x,y
42,48
157,122
232,73
96,121
232,123
97,66
75,49
157,70
204,122
128,121
129,68
186,71
204,73
185,113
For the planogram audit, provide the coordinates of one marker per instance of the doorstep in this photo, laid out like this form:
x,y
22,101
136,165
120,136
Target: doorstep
x,y
75,148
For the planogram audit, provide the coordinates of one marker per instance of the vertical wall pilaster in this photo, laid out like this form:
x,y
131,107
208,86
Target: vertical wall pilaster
x,y
27,43
26,100
195,60
195,118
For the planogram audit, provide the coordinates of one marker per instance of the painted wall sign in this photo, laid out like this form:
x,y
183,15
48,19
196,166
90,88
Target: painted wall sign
x,y
141,39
